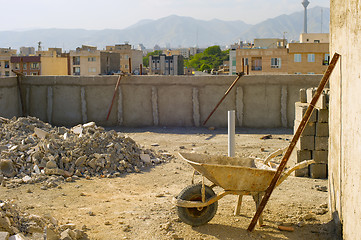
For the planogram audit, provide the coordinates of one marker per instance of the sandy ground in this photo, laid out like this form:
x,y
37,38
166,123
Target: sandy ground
x,y
139,205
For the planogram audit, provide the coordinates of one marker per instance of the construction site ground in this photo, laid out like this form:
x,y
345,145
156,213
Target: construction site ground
x,y
139,205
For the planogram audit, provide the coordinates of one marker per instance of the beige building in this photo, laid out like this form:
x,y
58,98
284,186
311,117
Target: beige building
x,y
85,61
5,67
262,61
130,59
308,58
53,62
315,38
269,43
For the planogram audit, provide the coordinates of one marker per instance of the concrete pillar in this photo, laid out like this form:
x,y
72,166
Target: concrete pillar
x,y
83,105
49,109
196,113
231,133
155,106
239,105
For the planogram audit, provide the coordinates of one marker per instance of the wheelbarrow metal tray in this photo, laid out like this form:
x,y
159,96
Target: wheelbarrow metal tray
x,y
231,173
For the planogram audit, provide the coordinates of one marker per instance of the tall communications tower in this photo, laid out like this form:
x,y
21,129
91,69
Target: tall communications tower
x,y
305,4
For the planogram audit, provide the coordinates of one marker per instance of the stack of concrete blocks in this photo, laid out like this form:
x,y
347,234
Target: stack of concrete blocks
x,y
313,143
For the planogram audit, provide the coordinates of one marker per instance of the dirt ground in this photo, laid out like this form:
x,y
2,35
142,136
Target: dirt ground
x,y
139,205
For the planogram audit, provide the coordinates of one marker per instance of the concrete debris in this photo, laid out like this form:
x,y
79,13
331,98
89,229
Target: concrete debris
x,y
16,224
31,151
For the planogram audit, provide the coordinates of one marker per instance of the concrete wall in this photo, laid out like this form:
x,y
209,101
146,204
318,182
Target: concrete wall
x,y
345,115
259,101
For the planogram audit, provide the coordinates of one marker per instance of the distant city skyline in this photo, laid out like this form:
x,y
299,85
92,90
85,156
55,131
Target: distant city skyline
x,y
120,14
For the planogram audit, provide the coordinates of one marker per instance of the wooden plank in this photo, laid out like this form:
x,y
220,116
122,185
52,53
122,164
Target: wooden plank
x,y
295,138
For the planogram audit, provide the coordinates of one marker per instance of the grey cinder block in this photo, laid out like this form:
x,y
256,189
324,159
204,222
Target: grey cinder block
x,y
321,143
320,156
310,129
318,170
303,96
310,92
322,129
306,143
300,110
322,115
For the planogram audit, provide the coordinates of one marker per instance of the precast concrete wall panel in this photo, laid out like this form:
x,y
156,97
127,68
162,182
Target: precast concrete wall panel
x,y
262,106
66,105
209,98
137,105
175,106
9,98
98,100
38,102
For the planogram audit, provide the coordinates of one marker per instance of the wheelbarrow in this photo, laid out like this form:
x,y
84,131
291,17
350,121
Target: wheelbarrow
x,y
197,203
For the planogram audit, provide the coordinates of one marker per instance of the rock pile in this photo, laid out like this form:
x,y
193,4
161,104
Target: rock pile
x,y
14,222
31,151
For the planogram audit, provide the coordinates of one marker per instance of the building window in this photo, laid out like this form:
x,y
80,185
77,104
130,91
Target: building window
x,y
6,64
92,70
34,65
76,60
126,66
126,56
311,57
233,62
257,64
17,66
298,73
92,59
298,57
311,73
34,73
275,62
24,66
76,70
326,60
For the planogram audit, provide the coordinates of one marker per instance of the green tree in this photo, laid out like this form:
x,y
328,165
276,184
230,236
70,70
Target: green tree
x,y
211,58
146,59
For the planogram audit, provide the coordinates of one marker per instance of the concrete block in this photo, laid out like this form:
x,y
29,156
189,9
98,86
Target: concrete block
x,y
322,102
322,115
298,156
304,172
4,235
322,129
303,95
310,129
320,156
318,170
321,143
300,110
306,143
310,92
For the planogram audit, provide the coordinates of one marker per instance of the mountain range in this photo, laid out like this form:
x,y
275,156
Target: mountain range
x,y
173,31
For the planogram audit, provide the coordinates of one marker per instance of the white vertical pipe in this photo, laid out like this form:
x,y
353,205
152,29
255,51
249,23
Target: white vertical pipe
x,y
231,133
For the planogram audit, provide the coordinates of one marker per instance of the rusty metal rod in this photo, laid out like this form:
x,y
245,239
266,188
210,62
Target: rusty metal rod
x,y
115,93
295,138
224,96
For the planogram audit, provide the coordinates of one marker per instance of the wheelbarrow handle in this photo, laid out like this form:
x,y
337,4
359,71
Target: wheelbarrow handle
x,y
294,168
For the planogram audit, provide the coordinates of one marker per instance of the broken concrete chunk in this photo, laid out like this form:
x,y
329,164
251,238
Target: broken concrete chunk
x,y
51,164
40,133
4,235
7,168
77,129
89,125
145,158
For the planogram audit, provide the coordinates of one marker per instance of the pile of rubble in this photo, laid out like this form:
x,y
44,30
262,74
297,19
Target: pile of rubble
x,y
17,224
32,151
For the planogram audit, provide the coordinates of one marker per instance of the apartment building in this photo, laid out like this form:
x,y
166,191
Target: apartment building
x,y
166,65
85,61
130,60
5,55
272,56
308,58
27,51
54,62
27,65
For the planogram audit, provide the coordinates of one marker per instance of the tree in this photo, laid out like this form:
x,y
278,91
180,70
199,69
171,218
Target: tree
x,y
211,58
146,59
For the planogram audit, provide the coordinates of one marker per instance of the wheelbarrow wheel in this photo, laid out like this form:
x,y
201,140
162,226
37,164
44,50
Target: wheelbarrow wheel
x,y
196,216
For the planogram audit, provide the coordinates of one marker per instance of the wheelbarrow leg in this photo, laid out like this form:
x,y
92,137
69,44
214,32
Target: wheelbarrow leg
x,y
238,206
258,198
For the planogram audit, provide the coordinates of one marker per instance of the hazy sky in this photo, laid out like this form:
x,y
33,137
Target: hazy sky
x,y
119,14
